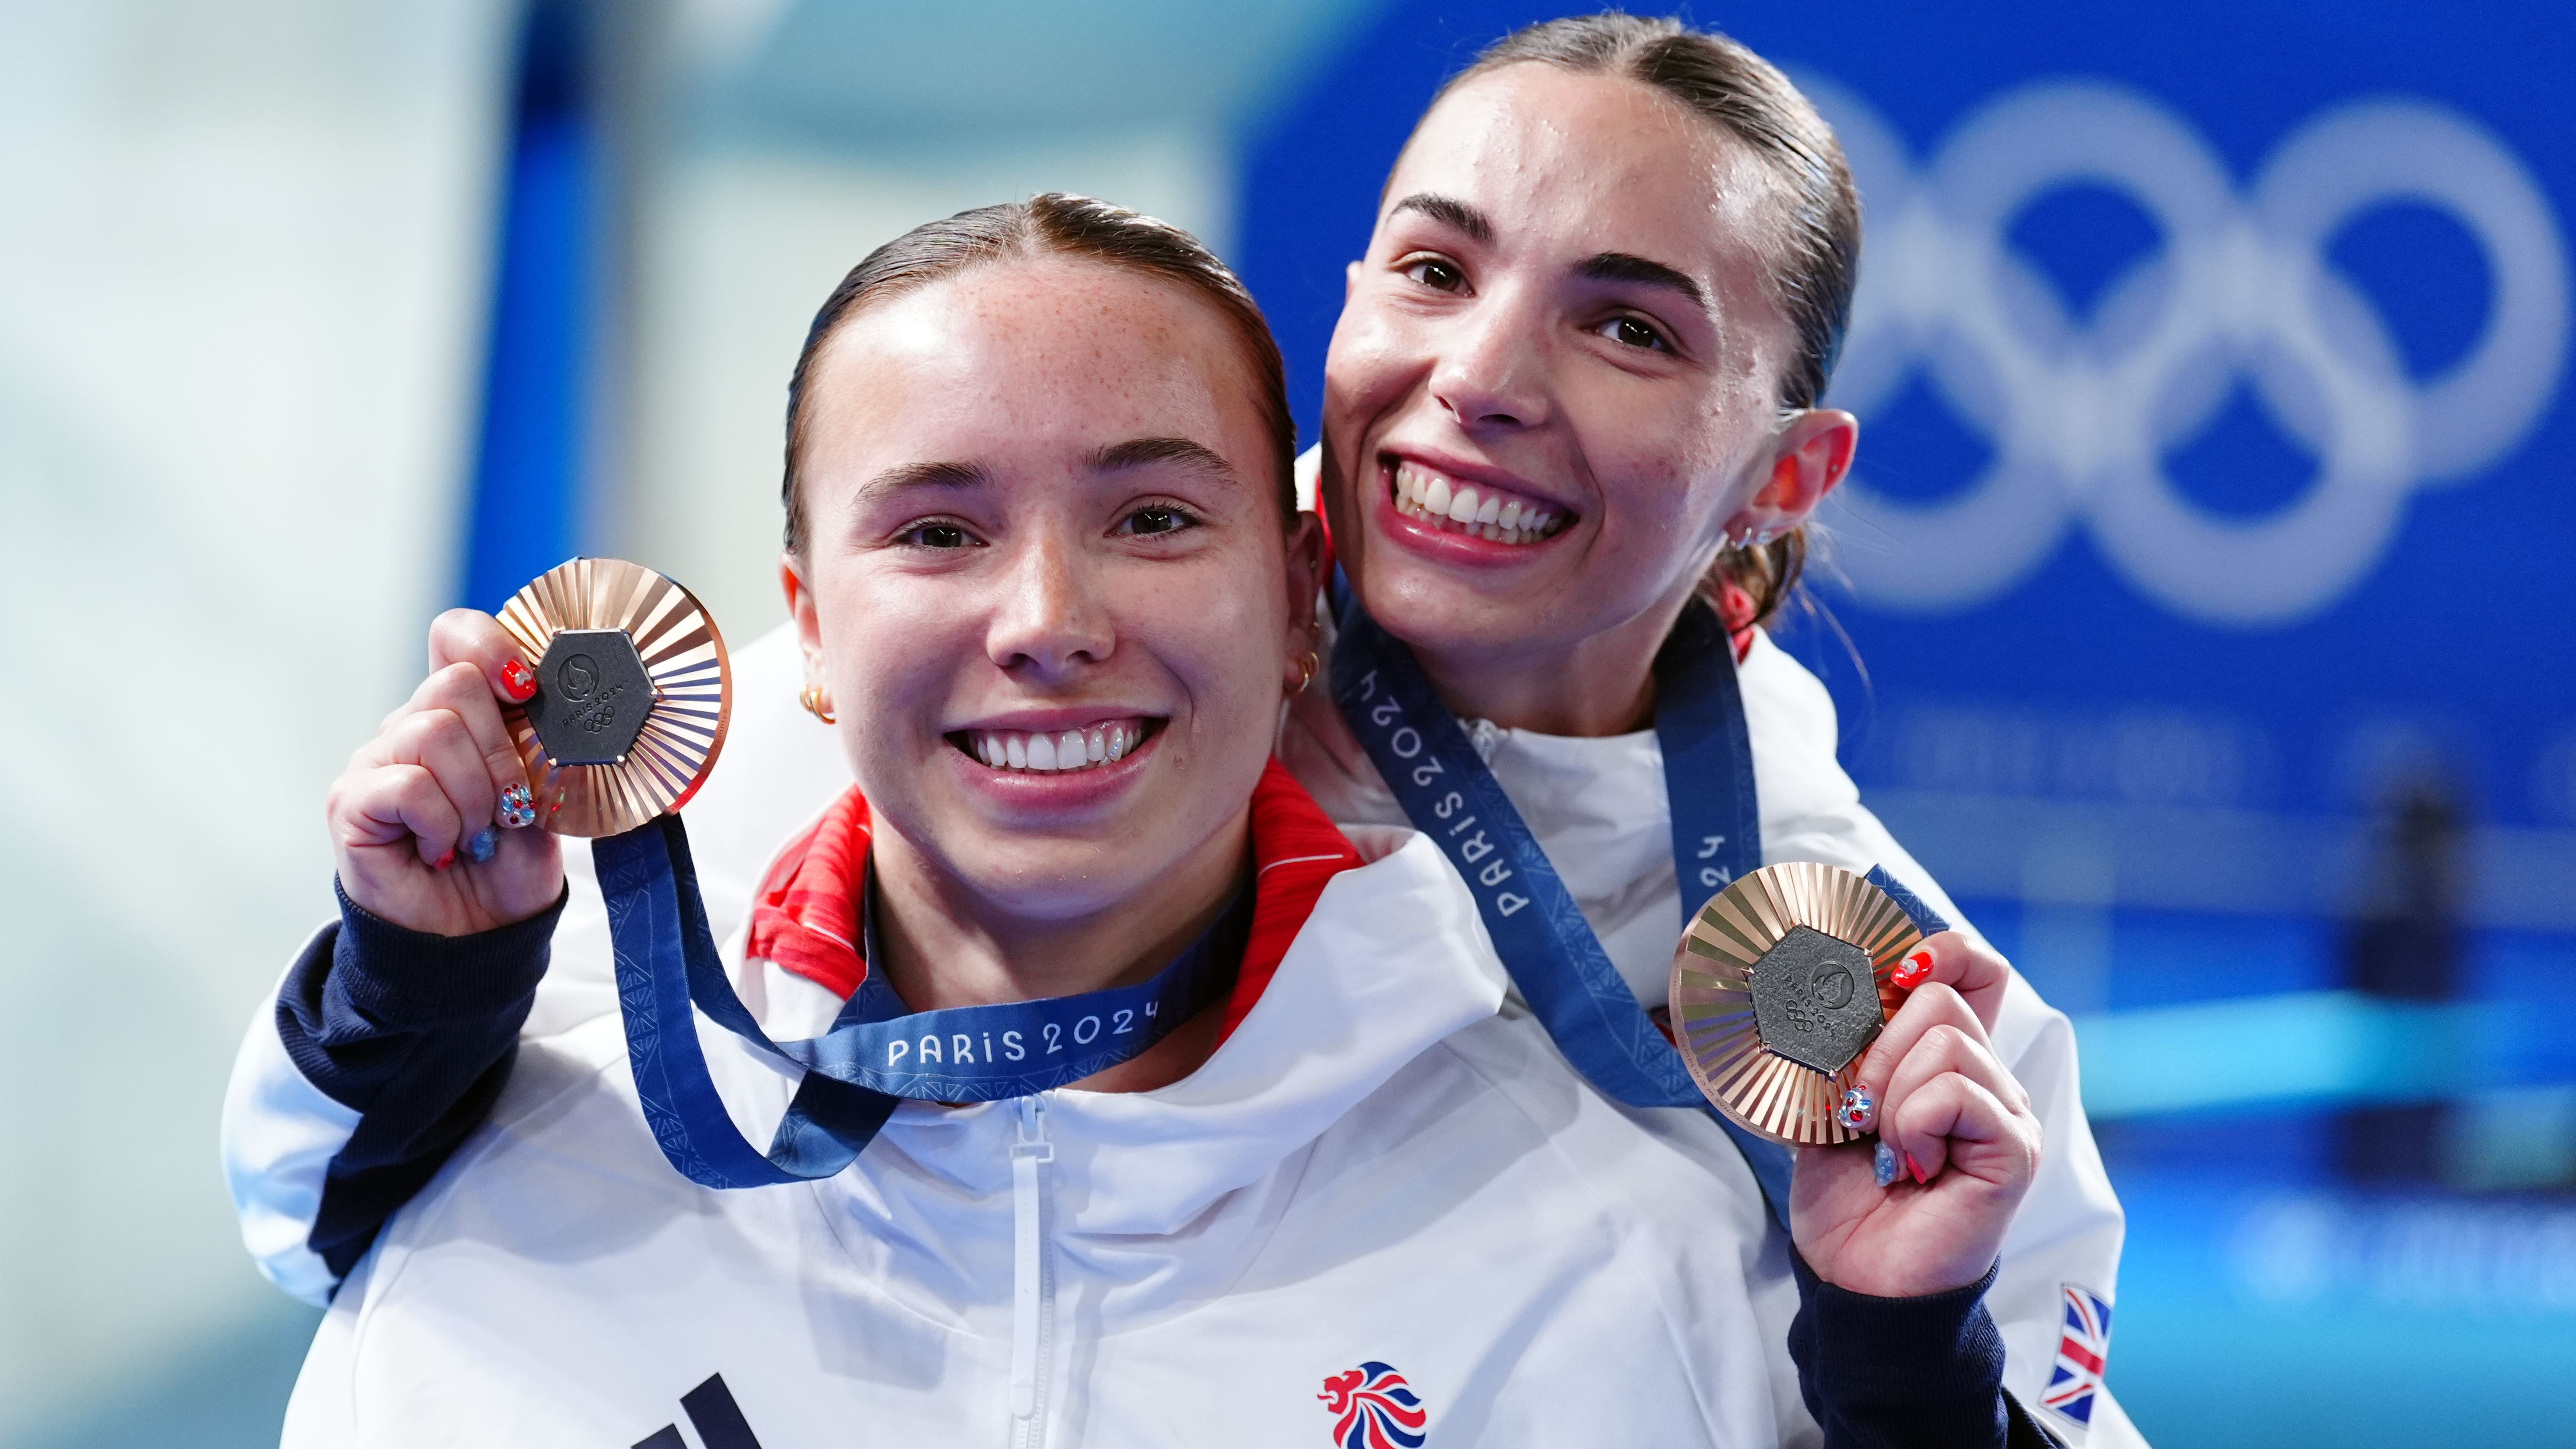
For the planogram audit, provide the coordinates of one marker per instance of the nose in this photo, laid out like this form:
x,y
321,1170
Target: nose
x,y
1491,374
1051,618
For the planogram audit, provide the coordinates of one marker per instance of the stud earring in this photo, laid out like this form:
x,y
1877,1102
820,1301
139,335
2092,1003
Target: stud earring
x,y
817,703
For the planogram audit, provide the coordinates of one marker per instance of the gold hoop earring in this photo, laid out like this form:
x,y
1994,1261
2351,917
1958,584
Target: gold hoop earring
x,y
1306,668
816,704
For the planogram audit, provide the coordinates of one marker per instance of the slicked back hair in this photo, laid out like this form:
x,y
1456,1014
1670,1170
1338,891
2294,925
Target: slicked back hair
x,y
1748,97
1056,224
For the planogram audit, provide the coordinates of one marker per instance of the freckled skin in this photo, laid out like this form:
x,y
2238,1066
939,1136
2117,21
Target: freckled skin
x,y
1658,453
1023,369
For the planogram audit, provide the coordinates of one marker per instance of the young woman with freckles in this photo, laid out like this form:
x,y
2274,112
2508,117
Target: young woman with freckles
x,y
1040,494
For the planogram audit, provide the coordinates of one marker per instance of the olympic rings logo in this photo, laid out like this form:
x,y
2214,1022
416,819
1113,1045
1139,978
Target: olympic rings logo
x,y
2081,416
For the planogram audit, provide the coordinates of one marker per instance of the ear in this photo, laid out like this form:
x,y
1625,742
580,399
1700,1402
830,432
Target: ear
x,y
800,607
1305,581
1806,461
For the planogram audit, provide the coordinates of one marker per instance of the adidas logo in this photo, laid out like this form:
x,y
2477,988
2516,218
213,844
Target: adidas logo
x,y
714,1414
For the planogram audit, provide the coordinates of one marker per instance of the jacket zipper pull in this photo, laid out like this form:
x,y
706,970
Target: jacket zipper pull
x,y
1032,1286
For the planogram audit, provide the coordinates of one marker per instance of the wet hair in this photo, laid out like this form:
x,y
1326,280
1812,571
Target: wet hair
x,y
1050,224
1747,97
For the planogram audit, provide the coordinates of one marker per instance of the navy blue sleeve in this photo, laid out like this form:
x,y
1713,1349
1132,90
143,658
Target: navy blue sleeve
x,y
1887,1373
413,1032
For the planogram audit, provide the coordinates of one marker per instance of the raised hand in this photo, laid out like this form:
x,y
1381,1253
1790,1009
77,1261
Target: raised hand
x,y
1958,1132
424,819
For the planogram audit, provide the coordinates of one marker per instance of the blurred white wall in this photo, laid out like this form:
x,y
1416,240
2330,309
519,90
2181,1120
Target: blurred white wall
x,y
741,245
801,134
242,250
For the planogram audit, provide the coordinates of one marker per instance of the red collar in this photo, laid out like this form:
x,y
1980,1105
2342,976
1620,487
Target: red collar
x,y
806,917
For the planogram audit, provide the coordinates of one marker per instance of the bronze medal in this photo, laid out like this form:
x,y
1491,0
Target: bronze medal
x,y
634,692
1778,986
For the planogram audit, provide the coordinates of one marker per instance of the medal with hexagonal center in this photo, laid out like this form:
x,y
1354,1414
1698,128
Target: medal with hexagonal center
x,y
1814,1001
593,696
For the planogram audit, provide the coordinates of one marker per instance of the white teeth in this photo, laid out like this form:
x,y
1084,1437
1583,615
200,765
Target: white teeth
x,y
1055,751
1479,513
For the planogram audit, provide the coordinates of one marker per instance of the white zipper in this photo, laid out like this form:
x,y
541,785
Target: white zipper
x,y
1032,1278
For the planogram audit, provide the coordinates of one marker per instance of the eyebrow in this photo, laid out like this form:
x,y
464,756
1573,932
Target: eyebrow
x,y
1607,267
905,477
1450,211
1624,267
1145,452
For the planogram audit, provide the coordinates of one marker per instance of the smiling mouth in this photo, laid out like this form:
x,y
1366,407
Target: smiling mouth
x,y
1478,510
1056,752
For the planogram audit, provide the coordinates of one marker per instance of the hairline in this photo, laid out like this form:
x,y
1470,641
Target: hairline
x,y
1037,250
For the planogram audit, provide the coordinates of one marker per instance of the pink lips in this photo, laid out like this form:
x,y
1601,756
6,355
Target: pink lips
x,y
1457,514
1043,760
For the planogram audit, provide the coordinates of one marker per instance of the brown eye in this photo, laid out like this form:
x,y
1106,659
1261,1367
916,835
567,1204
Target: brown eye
x,y
936,535
1634,333
1436,274
1157,518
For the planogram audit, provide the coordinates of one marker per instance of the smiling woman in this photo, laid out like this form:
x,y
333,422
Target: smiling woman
x,y
1137,1103
988,606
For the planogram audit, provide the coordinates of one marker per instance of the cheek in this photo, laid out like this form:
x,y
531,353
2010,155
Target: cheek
x,y
1223,645
1374,354
886,648
1665,464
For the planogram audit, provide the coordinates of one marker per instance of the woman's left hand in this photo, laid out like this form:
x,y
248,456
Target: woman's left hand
x,y
1966,1146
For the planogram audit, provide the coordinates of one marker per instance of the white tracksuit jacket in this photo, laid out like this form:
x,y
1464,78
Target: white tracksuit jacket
x,y
1378,1167
1598,808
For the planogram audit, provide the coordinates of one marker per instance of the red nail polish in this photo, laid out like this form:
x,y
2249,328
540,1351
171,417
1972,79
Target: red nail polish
x,y
1916,1168
519,681
1916,970
444,861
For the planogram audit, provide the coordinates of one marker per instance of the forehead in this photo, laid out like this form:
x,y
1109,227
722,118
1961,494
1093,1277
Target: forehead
x,y
1596,163
1034,356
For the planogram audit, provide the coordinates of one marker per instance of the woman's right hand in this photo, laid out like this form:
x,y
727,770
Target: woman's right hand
x,y
410,813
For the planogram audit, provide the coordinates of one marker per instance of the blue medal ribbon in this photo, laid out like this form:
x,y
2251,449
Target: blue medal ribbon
x,y
877,1053
1554,958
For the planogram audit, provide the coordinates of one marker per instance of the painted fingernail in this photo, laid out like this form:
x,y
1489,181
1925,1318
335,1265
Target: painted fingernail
x,y
1916,1168
1916,970
479,846
518,808
1885,1165
1858,1111
444,861
519,680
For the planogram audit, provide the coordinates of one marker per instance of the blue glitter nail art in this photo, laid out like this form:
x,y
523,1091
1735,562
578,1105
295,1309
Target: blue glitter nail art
x,y
483,844
518,807
1887,1166
1857,1110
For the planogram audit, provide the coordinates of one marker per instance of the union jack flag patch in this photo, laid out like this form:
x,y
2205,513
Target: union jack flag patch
x,y
2083,1352
1374,1408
